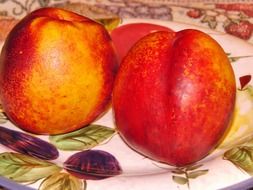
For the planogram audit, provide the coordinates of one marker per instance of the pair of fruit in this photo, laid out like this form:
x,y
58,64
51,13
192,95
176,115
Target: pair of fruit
x,y
173,95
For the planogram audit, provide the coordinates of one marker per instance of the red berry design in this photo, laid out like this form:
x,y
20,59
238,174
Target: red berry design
x,y
243,29
194,13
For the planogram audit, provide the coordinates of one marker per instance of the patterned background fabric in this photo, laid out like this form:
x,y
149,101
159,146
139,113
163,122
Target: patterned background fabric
x,y
233,17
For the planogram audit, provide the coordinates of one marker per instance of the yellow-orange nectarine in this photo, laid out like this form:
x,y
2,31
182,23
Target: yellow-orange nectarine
x,y
56,71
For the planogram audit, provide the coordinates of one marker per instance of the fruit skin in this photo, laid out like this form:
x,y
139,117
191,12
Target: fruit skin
x,y
174,96
125,36
57,70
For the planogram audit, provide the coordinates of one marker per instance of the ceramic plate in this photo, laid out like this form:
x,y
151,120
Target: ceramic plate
x,y
40,166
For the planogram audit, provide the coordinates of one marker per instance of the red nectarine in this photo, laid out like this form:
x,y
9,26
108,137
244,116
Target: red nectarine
x,y
174,96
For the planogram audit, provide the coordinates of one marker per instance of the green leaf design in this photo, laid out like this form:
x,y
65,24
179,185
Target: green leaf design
x,y
236,58
178,171
82,139
210,20
180,180
197,173
22,168
194,167
242,157
110,23
61,181
188,174
250,89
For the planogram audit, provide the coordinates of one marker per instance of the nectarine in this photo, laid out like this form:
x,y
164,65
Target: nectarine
x,y
174,96
125,36
57,70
